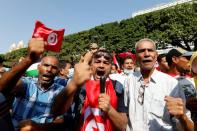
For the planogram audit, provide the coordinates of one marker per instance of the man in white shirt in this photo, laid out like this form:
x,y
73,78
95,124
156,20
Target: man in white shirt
x,y
155,101
128,68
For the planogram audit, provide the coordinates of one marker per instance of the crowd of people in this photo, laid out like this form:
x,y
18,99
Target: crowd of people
x,y
149,93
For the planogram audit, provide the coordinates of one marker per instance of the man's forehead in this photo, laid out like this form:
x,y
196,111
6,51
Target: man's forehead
x,y
102,58
128,60
49,61
146,44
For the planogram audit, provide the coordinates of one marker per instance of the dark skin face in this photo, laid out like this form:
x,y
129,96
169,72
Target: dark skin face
x,y
183,64
65,71
194,67
48,69
100,67
164,65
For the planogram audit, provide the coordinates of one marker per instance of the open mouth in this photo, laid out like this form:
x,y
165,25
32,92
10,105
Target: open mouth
x,y
146,61
100,73
47,77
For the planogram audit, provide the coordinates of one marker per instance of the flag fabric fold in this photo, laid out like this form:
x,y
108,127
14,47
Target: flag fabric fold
x,y
115,61
94,118
52,37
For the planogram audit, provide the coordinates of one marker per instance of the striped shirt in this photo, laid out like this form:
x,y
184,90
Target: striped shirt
x,y
33,102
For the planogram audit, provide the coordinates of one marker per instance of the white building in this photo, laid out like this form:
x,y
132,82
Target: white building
x,y
159,7
15,46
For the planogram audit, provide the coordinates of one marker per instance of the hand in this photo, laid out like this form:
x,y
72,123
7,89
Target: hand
x,y
175,106
82,73
28,125
87,57
104,102
35,48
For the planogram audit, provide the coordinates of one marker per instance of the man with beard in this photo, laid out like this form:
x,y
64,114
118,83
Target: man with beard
x,y
33,98
155,101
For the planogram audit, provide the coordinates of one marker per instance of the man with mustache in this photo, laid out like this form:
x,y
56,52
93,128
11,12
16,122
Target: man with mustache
x,y
155,101
33,98
94,110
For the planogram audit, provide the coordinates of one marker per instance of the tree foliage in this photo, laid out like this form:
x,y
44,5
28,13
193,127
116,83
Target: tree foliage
x,y
175,25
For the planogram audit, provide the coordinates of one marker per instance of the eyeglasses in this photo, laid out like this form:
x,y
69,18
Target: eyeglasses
x,y
141,91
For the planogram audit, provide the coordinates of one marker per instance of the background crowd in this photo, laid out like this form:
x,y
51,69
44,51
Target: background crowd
x,y
145,91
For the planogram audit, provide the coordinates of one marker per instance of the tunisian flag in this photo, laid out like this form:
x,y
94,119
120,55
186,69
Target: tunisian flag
x,y
115,60
52,37
94,118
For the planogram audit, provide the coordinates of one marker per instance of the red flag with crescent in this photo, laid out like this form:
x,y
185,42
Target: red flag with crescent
x,y
94,118
52,37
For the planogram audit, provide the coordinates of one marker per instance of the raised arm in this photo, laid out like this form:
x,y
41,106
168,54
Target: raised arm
x,y
10,79
63,101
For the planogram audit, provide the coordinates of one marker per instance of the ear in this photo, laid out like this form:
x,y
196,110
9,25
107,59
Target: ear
x,y
157,54
38,66
61,71
194,66
175,59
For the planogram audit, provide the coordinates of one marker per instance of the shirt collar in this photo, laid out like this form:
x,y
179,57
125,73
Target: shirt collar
x,y
153,78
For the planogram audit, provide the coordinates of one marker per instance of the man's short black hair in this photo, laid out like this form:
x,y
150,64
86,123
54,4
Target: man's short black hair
x,y
63,63
127,58
159,58
170,54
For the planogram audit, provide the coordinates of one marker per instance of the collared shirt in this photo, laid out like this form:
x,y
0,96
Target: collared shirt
x,y
152,115
33,102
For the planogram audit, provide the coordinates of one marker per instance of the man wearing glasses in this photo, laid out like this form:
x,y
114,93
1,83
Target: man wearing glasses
x,y
155,101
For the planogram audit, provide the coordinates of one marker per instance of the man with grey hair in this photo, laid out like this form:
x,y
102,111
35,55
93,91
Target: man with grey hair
x,y
154,100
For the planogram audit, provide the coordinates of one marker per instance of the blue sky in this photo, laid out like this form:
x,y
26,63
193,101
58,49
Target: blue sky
x,y
18,16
